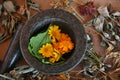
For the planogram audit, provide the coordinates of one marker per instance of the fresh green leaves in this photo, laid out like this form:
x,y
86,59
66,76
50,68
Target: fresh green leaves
x,y
36,42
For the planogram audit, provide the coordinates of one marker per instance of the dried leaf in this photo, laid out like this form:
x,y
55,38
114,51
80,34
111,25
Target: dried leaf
x,y
103,11
0,10
116,14
107,35
9,6
117,37
109,49
115,74
1,34
87,9
98,23
34,6
12,26
28,14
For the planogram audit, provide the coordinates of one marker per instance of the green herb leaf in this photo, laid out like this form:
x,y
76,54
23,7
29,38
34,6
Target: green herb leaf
x,y
37,41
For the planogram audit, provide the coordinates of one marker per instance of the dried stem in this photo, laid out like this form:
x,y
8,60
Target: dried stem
x,y
80,17
6,77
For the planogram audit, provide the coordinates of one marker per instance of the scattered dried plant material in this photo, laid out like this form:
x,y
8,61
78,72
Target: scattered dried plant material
x,y
96,39
34,6
98,23
11,16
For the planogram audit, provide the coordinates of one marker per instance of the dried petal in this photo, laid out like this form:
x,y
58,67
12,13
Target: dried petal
x,y
103,11
98,23
9,6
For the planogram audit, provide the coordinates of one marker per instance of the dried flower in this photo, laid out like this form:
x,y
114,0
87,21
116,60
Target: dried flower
x,y
88,9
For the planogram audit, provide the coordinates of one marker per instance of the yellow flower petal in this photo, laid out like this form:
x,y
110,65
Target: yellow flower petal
x,y
52,60
46,50
54,32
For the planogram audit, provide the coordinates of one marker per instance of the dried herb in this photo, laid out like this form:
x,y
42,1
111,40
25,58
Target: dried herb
x,y
11,16
87,9
9,6
0,10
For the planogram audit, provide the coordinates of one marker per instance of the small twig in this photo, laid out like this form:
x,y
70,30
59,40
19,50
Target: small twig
x,y
6,77
80,17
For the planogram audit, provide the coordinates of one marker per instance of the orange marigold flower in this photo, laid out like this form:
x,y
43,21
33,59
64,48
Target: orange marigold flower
x,y
64,46
46,50
64,37
54,32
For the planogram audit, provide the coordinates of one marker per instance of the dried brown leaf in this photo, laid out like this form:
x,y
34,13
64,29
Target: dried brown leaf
x,y
9,6
12,26
98,23
115,74
0,10
103,11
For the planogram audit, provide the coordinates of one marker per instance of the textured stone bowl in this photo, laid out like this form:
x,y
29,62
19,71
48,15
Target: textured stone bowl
x,y
68,24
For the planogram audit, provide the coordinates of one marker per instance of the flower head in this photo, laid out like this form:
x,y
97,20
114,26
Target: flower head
x,y
64,37
64,45
54,32
46,50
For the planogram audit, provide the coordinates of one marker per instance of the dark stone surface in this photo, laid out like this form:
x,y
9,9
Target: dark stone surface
x,y
13,53
70,25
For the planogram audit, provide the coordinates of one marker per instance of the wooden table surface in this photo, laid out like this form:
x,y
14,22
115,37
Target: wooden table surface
x,y
45,5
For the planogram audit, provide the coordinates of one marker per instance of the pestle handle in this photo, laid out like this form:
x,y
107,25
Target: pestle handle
x,y
13,53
